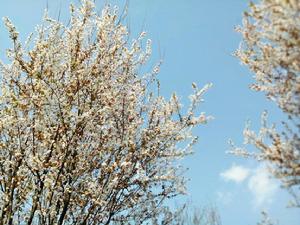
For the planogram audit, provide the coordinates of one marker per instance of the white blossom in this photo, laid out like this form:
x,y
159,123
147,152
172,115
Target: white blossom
x,y
271,50
84,136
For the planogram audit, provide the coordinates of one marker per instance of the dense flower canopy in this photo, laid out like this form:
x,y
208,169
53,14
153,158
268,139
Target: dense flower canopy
x,y
85,137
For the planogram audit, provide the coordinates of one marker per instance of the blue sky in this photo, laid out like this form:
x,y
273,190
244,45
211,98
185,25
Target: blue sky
x,y
196,39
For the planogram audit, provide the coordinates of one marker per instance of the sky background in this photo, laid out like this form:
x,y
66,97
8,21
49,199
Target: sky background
x,y
196,40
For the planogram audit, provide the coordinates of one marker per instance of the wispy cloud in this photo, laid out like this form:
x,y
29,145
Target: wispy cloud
x,y
224,197
262,186
235,173
258,182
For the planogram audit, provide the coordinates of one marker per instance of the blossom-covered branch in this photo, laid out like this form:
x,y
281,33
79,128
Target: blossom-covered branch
x,y
84,137
271,49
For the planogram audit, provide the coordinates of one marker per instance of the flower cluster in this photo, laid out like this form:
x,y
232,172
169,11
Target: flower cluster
x,y
84,137
271,49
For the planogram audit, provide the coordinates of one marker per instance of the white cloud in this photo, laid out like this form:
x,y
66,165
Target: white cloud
x,y
235,173
262,186
258,182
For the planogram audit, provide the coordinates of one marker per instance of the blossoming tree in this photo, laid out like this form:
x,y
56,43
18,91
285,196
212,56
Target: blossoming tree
x,y
85,136
271,49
